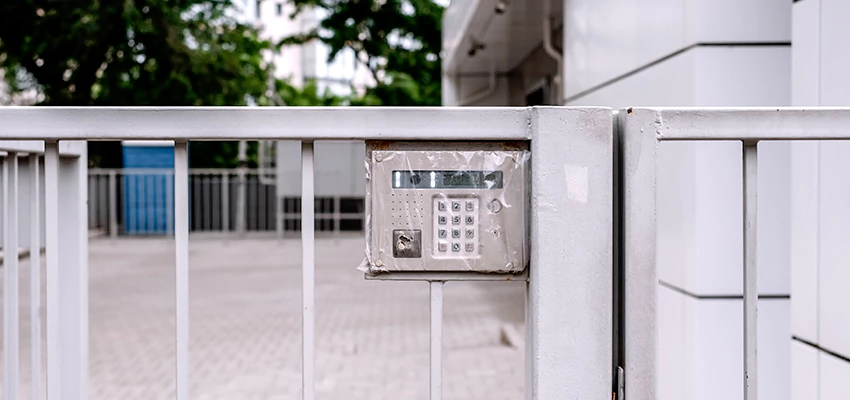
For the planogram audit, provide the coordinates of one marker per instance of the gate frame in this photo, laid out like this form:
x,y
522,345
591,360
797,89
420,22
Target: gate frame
x,y
640,131
569,291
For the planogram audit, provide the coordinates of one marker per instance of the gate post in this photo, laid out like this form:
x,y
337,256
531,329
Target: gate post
x,y
639,158
570,291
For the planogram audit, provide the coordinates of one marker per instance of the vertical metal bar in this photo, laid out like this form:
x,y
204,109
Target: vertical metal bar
x,y
147,203
207,211
35,278
337,217
10,276
169,203
73,275
279,210
225,203
113,205
51,220
215,200
750,164
131,184
91,186
436,340
262,223
181,239
240,201
102,202
252,205
308,318
196,193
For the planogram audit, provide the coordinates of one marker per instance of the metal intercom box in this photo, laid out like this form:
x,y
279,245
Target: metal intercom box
x,y
447,206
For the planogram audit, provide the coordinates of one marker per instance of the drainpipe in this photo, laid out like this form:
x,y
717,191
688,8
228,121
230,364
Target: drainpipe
x,y
550,50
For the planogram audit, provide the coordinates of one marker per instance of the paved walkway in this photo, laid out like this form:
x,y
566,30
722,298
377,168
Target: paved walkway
x,y
372,337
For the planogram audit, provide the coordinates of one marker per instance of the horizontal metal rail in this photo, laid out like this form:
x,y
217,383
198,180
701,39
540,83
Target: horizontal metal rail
x,y
264,123
747,124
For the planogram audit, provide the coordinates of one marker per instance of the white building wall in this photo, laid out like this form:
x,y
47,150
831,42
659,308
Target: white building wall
x,y
820,224
701,53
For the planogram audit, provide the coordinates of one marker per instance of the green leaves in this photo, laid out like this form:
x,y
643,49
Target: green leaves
x,y
133,52
399,40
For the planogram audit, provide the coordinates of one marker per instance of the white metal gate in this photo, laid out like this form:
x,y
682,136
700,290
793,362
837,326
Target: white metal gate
x,y
569,284
641,131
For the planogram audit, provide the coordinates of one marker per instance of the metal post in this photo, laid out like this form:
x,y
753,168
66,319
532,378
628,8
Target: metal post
x,y
279,226
225,203
436,340
181,240
639,148
337,217
308,318
113,204
241,208
10,275
51,219
571,247
67,273
750,179
35,278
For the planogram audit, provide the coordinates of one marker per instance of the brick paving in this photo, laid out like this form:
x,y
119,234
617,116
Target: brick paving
x,y
245,325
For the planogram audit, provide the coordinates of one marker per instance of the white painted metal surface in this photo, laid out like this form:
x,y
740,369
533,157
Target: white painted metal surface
x,y
51,216
233,123
181,253
642,130
571,273
570,292
436,360
35,279
750,173
308,271
11,317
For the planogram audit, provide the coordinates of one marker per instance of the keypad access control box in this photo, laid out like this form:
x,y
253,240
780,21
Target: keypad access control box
x,y
447,207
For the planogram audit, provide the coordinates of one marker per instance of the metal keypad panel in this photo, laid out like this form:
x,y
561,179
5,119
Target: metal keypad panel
x,y
455,227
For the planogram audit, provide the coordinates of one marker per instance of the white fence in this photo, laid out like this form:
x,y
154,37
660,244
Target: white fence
x,y
569,332
138,202
591,300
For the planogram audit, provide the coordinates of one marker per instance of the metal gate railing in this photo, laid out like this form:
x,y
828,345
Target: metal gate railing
x,y
641,132
569,289
140,201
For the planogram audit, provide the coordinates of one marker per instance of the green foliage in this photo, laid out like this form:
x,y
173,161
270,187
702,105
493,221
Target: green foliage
x,y
132,52
398,40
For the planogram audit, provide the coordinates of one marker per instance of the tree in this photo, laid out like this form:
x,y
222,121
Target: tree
x,y
398,40
133,52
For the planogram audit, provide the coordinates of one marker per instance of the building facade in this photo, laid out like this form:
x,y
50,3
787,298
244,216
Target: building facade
x,y
701,53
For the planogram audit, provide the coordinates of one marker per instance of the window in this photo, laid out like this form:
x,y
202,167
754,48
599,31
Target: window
x,y
278,9
257,10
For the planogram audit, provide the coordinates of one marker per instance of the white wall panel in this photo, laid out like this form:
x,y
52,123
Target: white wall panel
x,y
719,347
774,354
834,378
743,76
675,345
774,218
805,55
834,234
719,215
738,21
805,369
835,53
804,247
669,83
